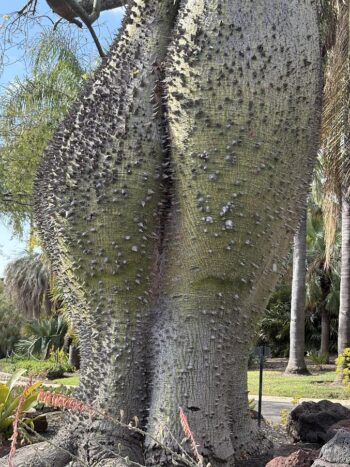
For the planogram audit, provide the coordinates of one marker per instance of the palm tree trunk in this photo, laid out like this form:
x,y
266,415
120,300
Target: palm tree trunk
x,y
344,306
344,303
325,331
296,362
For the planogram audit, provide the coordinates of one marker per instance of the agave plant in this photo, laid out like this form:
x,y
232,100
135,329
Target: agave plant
x,y
43,336
11,395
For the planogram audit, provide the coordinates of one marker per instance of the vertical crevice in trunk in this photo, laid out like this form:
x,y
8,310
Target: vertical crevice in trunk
x,y
296,362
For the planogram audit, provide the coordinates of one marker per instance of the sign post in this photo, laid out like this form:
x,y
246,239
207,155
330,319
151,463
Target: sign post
x,y
262,351
261,370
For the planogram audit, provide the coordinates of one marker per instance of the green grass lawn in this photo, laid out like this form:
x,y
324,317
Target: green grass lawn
x,y
316,386
70,381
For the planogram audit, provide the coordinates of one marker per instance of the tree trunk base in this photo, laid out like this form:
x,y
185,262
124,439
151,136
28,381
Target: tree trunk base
x,y
258,445
297,371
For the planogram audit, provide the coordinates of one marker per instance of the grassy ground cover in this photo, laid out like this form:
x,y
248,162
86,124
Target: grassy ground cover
x,y
34,367
70,381
317,386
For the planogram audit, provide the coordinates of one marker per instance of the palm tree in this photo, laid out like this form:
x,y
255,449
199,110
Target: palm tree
x,y
30,109
296,362
335,136
27,282
322,279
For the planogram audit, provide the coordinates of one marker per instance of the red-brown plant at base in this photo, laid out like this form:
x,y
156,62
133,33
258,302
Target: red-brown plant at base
x,y
187,430
15,424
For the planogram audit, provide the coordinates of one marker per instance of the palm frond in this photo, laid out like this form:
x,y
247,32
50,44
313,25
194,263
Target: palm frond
x,y
27,284
335,125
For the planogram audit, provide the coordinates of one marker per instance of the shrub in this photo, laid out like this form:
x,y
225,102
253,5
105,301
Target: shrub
x,y
12,398
318,358
10,325
273,329
343,366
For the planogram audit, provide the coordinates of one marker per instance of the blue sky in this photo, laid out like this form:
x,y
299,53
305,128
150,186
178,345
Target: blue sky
x,y
107,25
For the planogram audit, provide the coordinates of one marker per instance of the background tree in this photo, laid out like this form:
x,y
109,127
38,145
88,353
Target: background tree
x,y
10,325
296,362
31,109
335,135
323,281
27,282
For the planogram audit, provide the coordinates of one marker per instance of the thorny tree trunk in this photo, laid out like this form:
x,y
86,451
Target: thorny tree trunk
x,y
167,201
296,362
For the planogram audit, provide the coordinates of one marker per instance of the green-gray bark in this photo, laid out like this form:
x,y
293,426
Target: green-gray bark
x,y
168,200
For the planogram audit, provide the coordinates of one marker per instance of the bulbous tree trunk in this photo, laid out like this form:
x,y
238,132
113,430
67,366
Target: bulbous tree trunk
x,y
167,201
296,362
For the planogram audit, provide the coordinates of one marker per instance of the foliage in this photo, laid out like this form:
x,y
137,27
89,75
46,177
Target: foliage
x,y
322,280
322,289
32,366
273,329
343,366
31,109
27,284
10,325
43,336
317,358
37,368
251,403
253,360
335,125
10,396
60,364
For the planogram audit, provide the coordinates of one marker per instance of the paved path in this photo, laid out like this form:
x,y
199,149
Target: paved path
x,y
272,405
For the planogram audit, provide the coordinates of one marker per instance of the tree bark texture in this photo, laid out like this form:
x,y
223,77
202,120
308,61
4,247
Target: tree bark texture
x,y
344,305
296,362
167,201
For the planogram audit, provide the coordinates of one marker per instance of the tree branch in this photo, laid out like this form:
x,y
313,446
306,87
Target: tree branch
x,y
88,19
105,4
71,9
